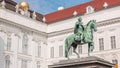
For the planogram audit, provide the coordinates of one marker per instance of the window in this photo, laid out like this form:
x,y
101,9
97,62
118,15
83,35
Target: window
x,y
38,64
70,51
101,44
115,61
8,48
60,51
79,49
25,44
113,42
52,52
39,51
24,64
89,9
7,61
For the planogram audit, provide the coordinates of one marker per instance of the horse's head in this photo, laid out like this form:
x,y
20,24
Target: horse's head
x,y
93,24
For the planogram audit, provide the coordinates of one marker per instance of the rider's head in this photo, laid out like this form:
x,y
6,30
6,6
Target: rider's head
x,y
79,19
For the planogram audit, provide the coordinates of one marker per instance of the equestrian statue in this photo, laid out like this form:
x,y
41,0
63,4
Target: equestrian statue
x,y
81,36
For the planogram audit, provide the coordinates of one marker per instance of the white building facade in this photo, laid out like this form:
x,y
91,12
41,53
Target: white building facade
x,y
28,43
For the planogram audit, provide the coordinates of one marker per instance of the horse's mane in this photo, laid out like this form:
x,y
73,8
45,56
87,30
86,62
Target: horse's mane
x,y
89,22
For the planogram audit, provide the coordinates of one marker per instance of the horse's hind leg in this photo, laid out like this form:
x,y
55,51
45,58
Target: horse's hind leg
x,y
67,52
74,50
88,49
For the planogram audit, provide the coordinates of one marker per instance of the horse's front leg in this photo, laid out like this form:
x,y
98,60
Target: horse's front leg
x,y
90,48
68,52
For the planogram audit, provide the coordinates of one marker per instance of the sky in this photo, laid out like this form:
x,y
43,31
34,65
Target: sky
x,y
49,6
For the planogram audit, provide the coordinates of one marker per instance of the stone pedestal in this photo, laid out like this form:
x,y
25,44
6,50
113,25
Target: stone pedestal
x,y
88,62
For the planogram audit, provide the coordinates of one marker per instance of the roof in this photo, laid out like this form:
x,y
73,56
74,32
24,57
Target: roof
x,y
80,9
10,4
68,12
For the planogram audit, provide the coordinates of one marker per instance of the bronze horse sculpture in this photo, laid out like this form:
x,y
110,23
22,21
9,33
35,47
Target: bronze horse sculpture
x,y
87,38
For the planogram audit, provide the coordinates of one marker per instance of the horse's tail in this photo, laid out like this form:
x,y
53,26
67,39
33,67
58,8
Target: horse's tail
x,y
66,48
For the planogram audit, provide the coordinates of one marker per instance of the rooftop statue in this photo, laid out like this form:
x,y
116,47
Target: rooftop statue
x,y
81,36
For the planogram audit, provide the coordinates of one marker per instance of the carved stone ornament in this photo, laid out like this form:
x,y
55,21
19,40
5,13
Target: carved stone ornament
x,y
22,12
27,13
17,8
3,4
105,5
34,15
75,13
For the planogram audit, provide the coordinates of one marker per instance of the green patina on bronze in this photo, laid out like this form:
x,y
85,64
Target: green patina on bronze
x,y
81,36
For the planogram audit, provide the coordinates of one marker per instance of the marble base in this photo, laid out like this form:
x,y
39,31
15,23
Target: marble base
x,y
88,62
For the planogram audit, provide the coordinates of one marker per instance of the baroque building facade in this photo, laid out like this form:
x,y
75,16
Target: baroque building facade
x,y
30,40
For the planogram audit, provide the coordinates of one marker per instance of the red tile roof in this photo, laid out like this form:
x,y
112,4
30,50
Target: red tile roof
x,y
81,9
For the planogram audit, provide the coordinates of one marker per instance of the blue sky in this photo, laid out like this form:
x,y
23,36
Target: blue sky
x,y
48,6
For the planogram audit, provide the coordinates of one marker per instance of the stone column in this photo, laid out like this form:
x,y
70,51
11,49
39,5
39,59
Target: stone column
x,y
2,44
15,49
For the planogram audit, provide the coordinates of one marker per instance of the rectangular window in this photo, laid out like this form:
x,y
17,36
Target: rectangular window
x,y
8,44
38,64
24,64
101,44
7,63
115,61
79,49
52,52
60,51
25,49
25,44
113,42
39,51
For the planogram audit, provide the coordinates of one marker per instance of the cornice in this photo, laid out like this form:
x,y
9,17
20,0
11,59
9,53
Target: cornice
x,y
65,31
108,22
6,14
99,24
22,28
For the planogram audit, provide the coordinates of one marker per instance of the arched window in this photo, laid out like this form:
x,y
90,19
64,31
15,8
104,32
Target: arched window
x,y
38,64
24,64
9,39
89,9
25,44
7,61
115,61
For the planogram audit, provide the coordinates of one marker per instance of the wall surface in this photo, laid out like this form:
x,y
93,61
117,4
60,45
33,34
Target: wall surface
x,y
53,35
